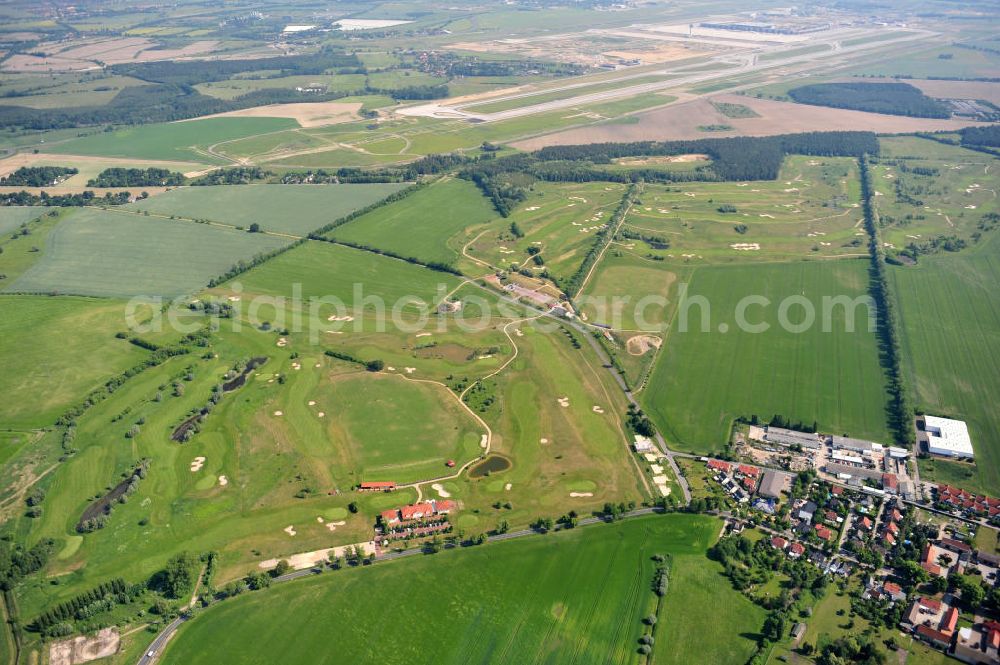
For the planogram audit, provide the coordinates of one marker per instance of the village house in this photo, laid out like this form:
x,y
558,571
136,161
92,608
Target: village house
x,y
932,621
979,644
377,487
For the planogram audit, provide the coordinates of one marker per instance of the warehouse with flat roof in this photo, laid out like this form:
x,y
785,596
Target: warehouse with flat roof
x,y
947,437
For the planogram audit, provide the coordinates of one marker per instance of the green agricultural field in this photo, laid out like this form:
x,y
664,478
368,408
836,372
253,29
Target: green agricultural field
x,y
12,217
705,378
55,351
117,253
928,192
560,220
296,209
568,597
188,140
956,62
323,269
423,224
950,319
811,210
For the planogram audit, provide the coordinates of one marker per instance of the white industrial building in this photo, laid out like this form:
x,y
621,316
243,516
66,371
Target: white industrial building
x,y
947,437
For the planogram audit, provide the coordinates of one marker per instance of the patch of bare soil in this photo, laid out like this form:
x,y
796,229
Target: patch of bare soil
x,y
640,344
681,121
959,89
85,649
307,114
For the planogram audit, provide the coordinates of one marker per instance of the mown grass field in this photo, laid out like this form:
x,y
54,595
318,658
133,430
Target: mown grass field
x,y
295,209
113,253
422,224
391,428
12,217
177,141
560,220
811,210
950,320
566,598
705,378
916,207
55,351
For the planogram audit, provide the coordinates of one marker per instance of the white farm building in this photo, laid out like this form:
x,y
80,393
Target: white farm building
x,y
946,437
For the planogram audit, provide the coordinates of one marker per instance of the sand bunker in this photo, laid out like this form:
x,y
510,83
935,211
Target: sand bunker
x,y
321,414
339,318
543,441
442,492
223,481
576,495
290,530
410,370
483,441
563,401
197,463
278,413
640,344
507,487
282,342
312,402
597,409
745,246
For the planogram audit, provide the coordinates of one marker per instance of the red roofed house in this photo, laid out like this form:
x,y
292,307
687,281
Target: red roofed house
x,y
950,620
824,533
390,516
896,515
751,471
718,465
796,550
865,523
933,621
444,507
890,482
377,487
894,591
417,511
779,543
936,638
837,490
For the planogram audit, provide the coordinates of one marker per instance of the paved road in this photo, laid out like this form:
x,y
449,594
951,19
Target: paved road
x,y
156,647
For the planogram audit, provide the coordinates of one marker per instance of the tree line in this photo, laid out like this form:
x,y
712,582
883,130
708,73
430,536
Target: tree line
x,y
891,98
572,285
130,177
37,176
898,411
85,198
